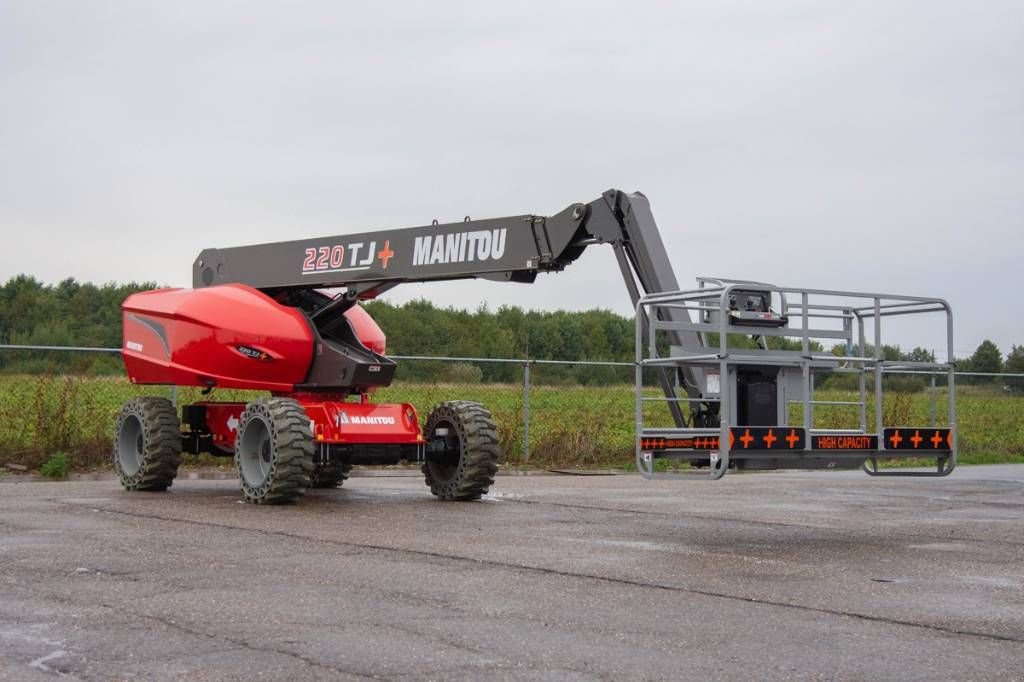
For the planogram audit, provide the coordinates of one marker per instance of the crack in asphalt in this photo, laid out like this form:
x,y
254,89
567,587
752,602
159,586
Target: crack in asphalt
x,y
237,643
241,643
483,653
570,574
195,632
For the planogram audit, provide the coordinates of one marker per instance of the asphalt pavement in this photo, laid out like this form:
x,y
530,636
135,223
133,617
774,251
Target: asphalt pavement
x,y
767,576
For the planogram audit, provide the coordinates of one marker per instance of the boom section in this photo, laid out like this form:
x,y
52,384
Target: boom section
x,y
513,248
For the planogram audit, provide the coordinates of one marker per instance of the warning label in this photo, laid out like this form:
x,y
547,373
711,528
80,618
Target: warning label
x,y
844,441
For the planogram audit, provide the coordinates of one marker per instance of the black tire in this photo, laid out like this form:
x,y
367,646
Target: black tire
x,y
463,463
274,451
329,475
147,444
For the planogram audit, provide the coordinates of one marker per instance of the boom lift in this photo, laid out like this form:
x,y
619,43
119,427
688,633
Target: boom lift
x,y
258,318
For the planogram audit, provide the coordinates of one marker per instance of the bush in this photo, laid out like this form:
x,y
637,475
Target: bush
x,y
1015,365
582,443
898,410
510,433
461,373
903,383
56,467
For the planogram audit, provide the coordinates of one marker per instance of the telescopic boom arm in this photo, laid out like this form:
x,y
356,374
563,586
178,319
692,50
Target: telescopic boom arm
x,y
512,249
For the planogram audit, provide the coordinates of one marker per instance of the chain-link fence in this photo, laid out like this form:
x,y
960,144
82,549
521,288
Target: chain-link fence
x,y
60,399
549,413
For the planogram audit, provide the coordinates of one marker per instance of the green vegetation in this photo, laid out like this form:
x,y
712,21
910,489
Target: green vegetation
x,y
63,402
73,313
80,314
570,425
67,314
1015,365
76,314
58,466
986,358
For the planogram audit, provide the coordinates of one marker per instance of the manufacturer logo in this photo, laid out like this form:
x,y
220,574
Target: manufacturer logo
x,y
254,353
343,418
460,247
132,345
350,257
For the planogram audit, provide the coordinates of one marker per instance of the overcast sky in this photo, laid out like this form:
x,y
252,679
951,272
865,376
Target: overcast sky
x,y
846,145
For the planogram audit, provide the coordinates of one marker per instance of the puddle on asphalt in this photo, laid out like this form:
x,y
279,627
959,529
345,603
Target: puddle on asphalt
x,y
993,581
641,544
689,550
31,635
40,663
942,547
501,496
207,475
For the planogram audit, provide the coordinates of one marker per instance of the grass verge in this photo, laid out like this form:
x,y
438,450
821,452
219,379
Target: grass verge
x,y
570,426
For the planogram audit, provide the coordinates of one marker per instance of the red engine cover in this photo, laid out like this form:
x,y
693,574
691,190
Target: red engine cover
x,y
232,336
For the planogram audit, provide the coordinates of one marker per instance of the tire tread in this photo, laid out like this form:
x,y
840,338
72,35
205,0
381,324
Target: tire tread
x,y
293,452
161,455
481,452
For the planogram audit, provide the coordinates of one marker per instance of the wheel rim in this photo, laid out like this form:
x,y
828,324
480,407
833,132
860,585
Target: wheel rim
x,y
445,464
255,455
130,444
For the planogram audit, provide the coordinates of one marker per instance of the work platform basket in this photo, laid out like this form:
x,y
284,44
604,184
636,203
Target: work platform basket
x,y
750,404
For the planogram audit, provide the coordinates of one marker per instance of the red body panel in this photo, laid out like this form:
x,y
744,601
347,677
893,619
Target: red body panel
x,y
193,338
334,422
231,336
222,422
366,328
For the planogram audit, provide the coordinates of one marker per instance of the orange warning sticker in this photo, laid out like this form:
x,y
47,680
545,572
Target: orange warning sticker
x,y
913,438
766,438
844,441
697,443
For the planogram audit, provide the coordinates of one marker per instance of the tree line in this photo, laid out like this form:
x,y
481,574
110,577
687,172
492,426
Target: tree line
x,y
73,313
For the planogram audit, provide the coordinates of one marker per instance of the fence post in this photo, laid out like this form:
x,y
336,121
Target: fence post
x,y
933,401
526,412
